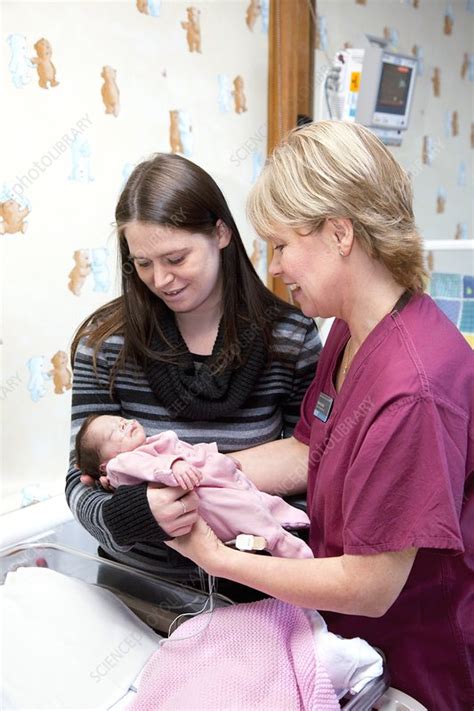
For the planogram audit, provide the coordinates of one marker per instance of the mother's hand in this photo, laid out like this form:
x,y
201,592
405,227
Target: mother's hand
x,y
201,546
174,512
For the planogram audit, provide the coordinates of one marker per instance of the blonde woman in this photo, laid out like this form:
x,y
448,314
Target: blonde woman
x,y
384,445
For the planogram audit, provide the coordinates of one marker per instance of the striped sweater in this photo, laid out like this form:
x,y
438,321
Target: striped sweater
x,y
123,523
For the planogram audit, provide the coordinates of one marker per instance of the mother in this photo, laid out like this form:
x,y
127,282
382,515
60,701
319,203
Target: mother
x,y
385,442
196,343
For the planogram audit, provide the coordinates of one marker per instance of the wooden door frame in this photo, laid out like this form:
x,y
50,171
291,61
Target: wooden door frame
x,y
291,44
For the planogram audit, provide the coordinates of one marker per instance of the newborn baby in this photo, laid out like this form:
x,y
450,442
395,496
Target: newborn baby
x,y
228,501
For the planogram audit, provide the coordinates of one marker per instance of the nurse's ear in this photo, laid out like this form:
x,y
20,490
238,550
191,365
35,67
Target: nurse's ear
x,y
224,234
343,234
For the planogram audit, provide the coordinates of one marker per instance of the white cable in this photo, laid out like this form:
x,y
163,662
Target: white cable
x,y
209,600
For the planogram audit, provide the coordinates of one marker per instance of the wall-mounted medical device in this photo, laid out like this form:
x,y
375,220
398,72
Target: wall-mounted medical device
x,y
372,86
342,84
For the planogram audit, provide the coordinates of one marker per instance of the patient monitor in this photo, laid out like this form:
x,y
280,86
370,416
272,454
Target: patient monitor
x,y
372,86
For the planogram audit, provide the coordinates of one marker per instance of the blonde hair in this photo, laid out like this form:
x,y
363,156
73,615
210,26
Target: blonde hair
x,y
333,169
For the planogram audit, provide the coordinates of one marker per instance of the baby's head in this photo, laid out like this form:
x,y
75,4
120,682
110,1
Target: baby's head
x,y
101,438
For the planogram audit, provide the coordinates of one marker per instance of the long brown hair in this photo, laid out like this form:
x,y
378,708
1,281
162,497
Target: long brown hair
x,y
169,190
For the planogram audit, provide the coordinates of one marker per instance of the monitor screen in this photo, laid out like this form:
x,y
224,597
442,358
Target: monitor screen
x,y
393,89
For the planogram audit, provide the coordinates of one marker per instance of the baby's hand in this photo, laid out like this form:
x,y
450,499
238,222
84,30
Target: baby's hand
x,y
187,475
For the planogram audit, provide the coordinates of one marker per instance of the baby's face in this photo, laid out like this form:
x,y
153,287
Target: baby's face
x,y
113,435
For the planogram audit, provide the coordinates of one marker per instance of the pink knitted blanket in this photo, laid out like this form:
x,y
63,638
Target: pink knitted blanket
x,y
257,656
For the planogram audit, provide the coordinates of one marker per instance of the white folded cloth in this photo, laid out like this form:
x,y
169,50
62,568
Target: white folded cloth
x,y
350,663
67,644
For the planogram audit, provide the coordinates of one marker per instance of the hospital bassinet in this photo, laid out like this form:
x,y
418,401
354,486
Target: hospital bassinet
x,y
156,601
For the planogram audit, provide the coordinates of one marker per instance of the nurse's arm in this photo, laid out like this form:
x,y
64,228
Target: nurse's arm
x,y
279,467
365,585
352,584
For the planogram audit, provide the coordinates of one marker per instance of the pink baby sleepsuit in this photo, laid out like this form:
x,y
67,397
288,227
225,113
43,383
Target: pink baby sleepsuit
x,y
228,500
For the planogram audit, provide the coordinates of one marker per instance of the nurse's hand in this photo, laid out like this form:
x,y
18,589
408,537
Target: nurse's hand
x,y
201,546
174,512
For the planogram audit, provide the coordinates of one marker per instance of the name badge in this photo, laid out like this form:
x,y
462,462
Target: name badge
x,y
323,407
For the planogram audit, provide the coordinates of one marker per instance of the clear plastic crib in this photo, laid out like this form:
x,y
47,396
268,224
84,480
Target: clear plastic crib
x,y
159,602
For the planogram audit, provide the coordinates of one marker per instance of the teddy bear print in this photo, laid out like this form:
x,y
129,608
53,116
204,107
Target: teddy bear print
x,y
448,22
257,165
154,8
13,217
175,138
110,91
240,102
418,52
185,133
80,271
100,269
461,231
193,29
255,257
142,6
391,36
224,97
441,201
253,11
455,124
436,81
427,152
20,66
44,66
265,13
62,377
321,33
37,378
81,171
149,7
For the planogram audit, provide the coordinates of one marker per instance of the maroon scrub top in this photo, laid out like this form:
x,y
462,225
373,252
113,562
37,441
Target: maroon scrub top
x,y
391,466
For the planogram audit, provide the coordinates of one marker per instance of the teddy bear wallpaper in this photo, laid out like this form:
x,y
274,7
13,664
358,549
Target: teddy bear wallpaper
x,y
44,66
110,91
81,270
77,124
182,77
13,217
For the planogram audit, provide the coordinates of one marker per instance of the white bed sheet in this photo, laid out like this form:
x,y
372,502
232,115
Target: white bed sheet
x,y
67,644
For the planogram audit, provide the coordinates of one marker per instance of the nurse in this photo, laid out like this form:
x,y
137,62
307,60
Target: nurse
x,y
385,442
